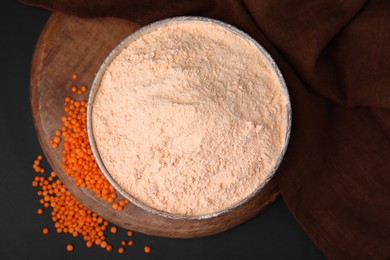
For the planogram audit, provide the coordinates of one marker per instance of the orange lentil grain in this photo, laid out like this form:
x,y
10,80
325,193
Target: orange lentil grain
x,y
115,205
123,242
147,249
131,243
103,244
130,233
45,231
98,241
69,247
75,76
113,230
40,211
57,139
121,250
109,248
100,220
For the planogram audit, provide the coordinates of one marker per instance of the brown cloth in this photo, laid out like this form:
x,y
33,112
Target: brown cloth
x,y
335,57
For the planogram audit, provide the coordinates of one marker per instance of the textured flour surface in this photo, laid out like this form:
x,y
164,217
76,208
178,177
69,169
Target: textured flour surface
x,y
190,118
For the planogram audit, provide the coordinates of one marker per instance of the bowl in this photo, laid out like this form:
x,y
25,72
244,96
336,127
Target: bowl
x,y
132,37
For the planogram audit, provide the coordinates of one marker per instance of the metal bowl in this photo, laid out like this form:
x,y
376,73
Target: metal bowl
x,y
112,56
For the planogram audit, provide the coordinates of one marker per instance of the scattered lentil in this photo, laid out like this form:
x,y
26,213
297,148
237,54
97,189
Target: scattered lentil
x,y
147,249
113,230
69,247
37,165
109,248
68,214
45,231
104,244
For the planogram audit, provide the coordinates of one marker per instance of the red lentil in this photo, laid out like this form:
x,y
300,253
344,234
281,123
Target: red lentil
x,y
45,231
68,214
147,249
69,247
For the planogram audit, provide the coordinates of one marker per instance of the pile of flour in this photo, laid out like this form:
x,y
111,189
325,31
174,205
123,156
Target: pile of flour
x,y
190,118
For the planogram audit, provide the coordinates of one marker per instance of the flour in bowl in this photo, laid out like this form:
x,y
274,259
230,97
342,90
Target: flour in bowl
x,y
190,118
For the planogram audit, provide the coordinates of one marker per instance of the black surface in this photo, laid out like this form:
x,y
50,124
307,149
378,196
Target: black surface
x,y
274,234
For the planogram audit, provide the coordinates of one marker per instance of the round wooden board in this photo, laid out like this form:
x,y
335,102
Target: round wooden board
x,y
71,44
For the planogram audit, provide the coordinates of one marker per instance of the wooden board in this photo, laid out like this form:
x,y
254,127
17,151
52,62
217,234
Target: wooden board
x,y
71,44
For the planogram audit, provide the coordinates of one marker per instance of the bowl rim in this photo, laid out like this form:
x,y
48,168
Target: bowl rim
x,y
112,55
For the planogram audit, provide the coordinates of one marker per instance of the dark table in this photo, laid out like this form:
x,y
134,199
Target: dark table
x,y
273,234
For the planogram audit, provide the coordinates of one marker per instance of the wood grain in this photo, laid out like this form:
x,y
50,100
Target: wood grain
x,y
71,44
